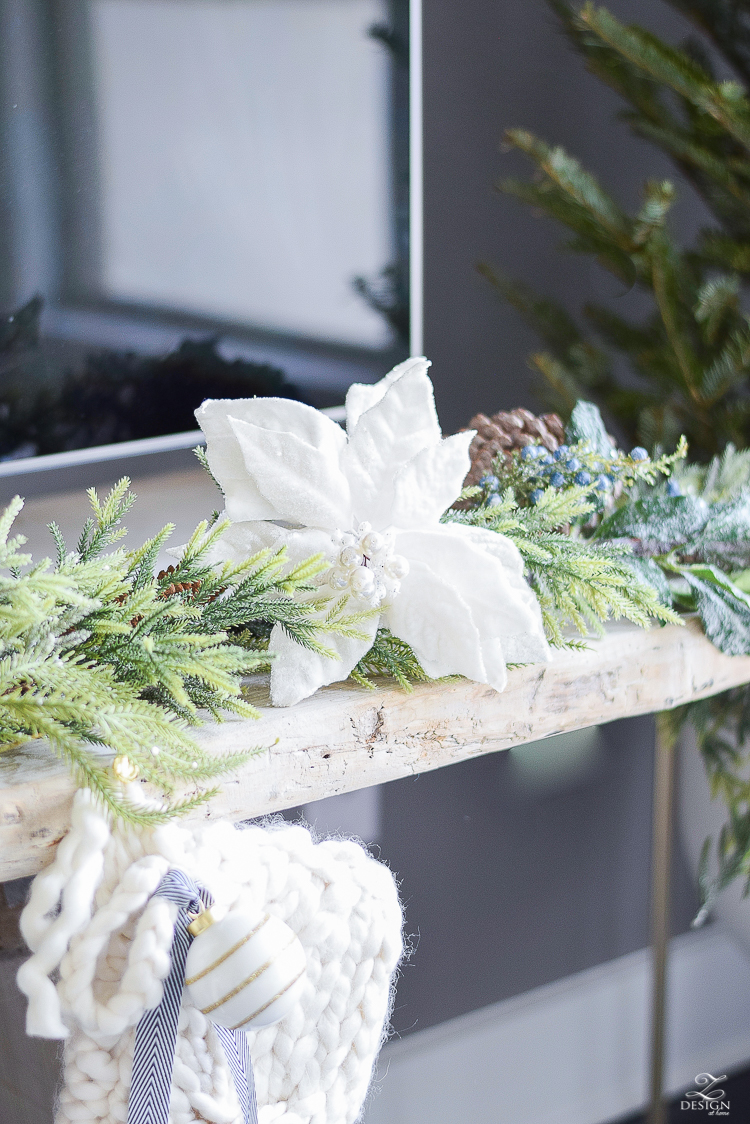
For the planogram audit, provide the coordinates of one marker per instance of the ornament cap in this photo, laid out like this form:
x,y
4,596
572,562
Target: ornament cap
x,y
202,921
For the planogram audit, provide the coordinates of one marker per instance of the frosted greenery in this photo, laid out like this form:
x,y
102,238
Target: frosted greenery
x,y
102,656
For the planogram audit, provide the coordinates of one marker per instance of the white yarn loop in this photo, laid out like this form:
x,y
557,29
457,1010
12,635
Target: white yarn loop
x,y
74,874
147,959
312,1068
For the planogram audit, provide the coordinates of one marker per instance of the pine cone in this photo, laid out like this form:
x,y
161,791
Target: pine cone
x,y
506,431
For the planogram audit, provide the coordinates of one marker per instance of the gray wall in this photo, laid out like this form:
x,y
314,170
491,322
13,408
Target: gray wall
x,y
514,874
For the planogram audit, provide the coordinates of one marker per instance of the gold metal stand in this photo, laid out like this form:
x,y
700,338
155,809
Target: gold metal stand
x,y
661,862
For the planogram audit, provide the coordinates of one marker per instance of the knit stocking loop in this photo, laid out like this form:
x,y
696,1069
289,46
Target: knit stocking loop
x,y
95,924
156,1033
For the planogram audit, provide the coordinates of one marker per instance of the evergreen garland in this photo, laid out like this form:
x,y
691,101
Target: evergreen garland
x,y
104,657
557,507
577,582
390,657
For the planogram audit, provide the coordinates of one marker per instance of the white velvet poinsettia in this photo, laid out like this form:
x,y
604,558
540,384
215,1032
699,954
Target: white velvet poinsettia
x,y
370,500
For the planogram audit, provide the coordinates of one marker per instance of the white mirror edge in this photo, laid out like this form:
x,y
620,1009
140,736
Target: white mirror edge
x,y
416,182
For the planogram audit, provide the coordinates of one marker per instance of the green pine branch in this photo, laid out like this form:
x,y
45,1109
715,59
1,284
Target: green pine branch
x,y
579,583
688,357
727,24
392,658
105,658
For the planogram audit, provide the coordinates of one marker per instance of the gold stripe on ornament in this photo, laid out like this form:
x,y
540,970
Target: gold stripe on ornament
x,y
246,983
265,1006
230,952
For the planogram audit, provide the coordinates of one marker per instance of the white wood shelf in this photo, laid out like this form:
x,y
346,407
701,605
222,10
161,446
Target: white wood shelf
x,y
346,737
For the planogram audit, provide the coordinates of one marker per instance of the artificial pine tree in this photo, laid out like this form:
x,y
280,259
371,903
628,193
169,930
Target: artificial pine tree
x,y
689,358
691,354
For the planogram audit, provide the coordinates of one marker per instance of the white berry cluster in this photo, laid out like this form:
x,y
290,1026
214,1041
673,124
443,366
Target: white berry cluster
x,y
366,566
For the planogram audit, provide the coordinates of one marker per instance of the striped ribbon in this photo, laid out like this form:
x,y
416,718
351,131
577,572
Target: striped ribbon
x,y
156,1033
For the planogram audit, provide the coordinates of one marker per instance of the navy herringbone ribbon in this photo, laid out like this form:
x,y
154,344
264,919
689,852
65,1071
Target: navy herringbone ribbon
x,y
156,1033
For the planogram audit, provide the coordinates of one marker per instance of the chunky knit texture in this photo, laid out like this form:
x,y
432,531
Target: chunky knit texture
x,y
111,940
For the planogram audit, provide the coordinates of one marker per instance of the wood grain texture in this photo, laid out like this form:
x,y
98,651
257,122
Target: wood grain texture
x,y
346,737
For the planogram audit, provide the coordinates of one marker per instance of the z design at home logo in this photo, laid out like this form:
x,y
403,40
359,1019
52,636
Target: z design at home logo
x,y
708,1097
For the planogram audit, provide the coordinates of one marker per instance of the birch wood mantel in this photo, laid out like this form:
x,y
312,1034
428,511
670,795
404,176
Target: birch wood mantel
x,y
346,737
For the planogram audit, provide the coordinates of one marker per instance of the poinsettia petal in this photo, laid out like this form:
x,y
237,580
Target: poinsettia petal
x,y
388,435
304,483
279,414
431,481
434,619
245,499
360,396
297,672
500,547
521,647
227,464
242,540
506,615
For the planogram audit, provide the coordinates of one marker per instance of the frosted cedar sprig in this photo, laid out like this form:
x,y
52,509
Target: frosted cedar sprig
x,y
103,657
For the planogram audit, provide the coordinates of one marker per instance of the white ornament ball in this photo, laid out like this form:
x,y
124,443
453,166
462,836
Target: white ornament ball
x,y
245,972
372,544
396,567
350,557
362,582
339,579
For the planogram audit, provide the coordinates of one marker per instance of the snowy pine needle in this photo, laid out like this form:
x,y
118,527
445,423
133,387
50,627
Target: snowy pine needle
x,y
103,657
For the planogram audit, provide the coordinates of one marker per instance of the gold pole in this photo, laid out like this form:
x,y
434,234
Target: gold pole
x,y
661,862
